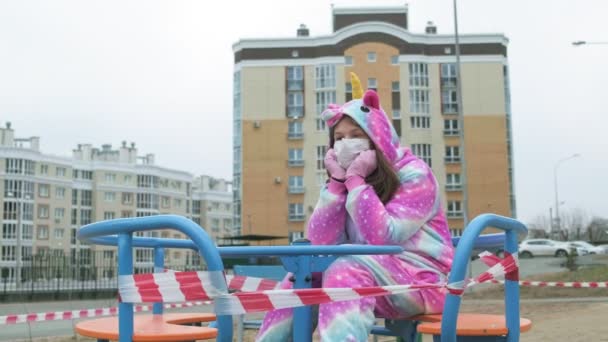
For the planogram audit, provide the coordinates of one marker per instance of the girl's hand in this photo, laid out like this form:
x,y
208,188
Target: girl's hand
x,y
363,165
331,164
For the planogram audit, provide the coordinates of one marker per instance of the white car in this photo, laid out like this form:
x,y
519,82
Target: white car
x,y
591,249
539,247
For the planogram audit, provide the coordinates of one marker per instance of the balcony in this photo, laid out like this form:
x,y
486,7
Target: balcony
x,y
453,187
452,160
296,189
295,135
455,214
449,108
451,132
295,162
295,85
295,111
296,217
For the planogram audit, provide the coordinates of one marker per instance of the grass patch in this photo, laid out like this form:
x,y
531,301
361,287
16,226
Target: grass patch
x,y
587,274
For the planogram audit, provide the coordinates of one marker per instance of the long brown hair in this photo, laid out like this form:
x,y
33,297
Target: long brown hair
x,y
383,179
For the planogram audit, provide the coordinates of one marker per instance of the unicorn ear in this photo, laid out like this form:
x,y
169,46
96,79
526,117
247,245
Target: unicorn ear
x,y
332,114
371,99
356,85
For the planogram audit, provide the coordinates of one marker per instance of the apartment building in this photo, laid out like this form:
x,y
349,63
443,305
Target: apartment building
x,y
46,198
282,85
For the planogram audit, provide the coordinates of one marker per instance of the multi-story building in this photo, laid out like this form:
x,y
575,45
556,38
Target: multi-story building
x,y
46,198
281,86
212,206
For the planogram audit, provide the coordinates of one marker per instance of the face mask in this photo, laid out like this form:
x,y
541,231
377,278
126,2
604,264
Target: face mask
x,y
348,149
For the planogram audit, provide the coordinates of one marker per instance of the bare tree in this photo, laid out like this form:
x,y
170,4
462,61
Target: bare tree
x,y
574,222
597,229
539,227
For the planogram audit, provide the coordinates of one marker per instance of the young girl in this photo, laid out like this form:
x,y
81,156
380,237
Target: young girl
x,y
378,193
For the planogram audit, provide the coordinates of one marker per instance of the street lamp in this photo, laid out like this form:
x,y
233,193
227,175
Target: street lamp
x,y
583,42
460,112
557,164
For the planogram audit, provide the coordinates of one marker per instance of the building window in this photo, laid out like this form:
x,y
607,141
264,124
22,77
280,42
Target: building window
x,y
423,151
419,101
296,184
420,121
419,75
86,198
85,216
295,104
60,193
348,60
165,202
325,76
215,225
19,166
127,198
147,181
449,95
126,213
74,197
109,196
42,233
293,236
454,209
18,189
348,91
323,99
450,127
109,215
321,151
177,202
295,157
60,171
27,231
372,83
456,231
128,179
452,154
453,182
395,86
59,213
147,201
9,231
44,169
43,190
82,174
8,253
296,212
295,130
295,78
371,57
396,114
43,211
74,217
59,233
395,59
110,178
419,88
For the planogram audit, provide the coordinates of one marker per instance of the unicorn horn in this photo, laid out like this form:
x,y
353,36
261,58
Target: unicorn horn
x,y
356,85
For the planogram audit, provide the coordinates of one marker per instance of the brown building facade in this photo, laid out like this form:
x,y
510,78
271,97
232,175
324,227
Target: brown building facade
x,y
282,86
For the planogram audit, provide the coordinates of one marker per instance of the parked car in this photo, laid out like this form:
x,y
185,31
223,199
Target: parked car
x,y
591,249
539,247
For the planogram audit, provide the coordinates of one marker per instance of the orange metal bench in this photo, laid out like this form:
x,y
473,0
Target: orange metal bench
x,y
470,324
165,327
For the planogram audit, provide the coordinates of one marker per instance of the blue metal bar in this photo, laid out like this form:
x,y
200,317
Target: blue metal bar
x,y
159,267
302,316
459,268
94,232
512,293
125,267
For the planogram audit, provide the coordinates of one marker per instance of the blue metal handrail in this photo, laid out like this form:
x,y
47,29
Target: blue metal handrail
x,y
459,266
120,232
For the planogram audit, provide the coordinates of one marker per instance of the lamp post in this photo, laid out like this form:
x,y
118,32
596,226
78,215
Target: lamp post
x,y
557,164
460,112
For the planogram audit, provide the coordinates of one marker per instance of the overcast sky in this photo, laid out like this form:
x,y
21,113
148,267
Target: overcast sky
x,y
160,73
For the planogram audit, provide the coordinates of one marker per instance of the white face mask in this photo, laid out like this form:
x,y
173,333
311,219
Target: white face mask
x,y
348,149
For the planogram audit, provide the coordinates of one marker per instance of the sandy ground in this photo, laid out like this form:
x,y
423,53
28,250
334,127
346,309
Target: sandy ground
x,y
552,320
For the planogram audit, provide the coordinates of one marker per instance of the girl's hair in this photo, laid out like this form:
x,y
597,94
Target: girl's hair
x,y
384,179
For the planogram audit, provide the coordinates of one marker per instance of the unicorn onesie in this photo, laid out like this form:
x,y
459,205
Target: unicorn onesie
x,y
352,213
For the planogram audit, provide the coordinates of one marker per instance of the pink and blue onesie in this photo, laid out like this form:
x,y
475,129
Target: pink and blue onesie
x,y
352,213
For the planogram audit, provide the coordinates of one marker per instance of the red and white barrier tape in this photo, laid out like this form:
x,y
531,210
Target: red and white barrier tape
x,y
85,313
572,284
